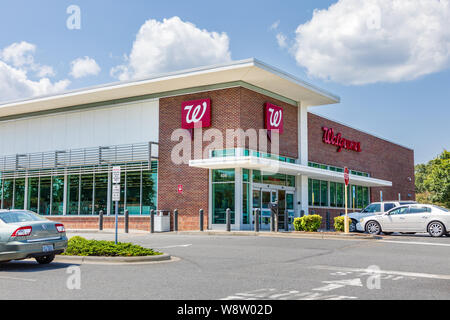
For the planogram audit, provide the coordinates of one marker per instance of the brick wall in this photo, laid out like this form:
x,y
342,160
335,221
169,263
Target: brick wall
x,y
382,159
231,109
83,222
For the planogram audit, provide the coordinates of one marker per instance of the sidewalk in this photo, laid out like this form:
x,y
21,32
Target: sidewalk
x,y
291,234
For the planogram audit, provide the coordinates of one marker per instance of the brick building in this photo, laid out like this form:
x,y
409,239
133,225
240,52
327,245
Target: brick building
x,y
57,152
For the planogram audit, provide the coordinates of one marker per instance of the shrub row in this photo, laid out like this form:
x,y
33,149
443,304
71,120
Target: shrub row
x,y
309,223
78,246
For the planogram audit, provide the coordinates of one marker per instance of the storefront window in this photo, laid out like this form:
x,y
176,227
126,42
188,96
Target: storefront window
x,y
149,199
223,175
323,193
290,201
340,195
223,195
8,190
19,194
33,194
245,203
134,192
57,195
73,194
87,189
275,179
316,192
257,178
101,193
223,199
332,194
44,197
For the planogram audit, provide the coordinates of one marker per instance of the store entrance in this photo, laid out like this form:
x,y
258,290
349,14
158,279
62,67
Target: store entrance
x,y
262,197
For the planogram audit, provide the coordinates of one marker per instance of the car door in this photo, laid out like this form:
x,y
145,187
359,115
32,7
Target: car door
x,y
418,218
395,221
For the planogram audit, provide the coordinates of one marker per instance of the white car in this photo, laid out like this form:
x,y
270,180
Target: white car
x,y
410,219
373,209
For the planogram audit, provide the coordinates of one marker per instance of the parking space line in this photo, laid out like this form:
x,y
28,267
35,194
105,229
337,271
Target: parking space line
x,y
21,279
417,243
398,273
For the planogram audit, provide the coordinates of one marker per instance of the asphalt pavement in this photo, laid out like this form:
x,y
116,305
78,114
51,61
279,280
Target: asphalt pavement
x,y
247,267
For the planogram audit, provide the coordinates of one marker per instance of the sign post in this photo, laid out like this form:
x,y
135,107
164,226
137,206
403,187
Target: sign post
x,y
347,179
116,196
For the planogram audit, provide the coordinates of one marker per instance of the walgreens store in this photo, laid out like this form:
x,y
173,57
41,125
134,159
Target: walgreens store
x,y
186,141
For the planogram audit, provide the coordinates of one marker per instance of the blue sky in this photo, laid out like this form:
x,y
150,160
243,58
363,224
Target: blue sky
x,y
393,79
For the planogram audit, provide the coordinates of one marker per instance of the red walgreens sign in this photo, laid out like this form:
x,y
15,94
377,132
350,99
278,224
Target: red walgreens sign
x,y
196,114
338,141
274,117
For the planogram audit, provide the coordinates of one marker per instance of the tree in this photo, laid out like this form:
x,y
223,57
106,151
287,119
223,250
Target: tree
x,y
433,180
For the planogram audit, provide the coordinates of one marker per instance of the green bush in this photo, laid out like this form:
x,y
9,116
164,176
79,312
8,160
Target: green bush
x,y
298,224
79,246
309,223
339,223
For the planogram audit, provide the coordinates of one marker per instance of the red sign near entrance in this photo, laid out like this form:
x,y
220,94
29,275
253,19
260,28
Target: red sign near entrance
x,y
274,117
346,176
196,114
180,189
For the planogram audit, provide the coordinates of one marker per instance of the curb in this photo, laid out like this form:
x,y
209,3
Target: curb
x,y
112,260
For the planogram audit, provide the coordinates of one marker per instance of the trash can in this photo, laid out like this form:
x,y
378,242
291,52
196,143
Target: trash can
x,y
162,221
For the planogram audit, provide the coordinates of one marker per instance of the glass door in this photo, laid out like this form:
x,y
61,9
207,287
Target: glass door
x,y
281,208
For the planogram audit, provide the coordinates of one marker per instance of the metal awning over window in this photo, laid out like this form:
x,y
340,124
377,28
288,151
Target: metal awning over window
x,y
131,157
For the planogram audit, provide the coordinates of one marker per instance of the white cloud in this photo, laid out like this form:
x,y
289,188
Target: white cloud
x,y
282,40
21,55
360,42
83,67
16,61
172,45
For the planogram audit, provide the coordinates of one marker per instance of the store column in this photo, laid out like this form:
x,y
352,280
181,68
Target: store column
x,y
302,181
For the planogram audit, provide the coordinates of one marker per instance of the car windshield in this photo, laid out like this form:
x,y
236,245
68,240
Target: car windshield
x,y
19,216
375,207
441,208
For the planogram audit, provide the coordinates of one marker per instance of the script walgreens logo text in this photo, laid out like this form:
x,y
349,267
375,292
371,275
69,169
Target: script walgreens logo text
x,y
196,114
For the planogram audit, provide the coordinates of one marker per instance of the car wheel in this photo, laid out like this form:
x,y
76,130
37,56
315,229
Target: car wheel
x,y
45,259
373,227
352,227
436,229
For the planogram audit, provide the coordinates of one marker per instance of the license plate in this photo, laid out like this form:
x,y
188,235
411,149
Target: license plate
x,y
47,248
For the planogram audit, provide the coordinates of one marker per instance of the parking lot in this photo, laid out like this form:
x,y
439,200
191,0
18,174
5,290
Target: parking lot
x,y
248,267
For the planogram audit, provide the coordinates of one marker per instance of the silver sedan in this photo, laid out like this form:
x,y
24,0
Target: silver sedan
x,y
24,234
410,219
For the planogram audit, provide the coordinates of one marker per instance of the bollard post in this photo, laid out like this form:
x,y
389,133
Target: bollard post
x,y
127,221
152,221
228,218
100,220
328,222
257,220
201,213
286,221
175,220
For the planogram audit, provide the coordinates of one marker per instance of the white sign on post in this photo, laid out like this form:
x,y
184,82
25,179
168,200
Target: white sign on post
x,y
116,175
116,192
